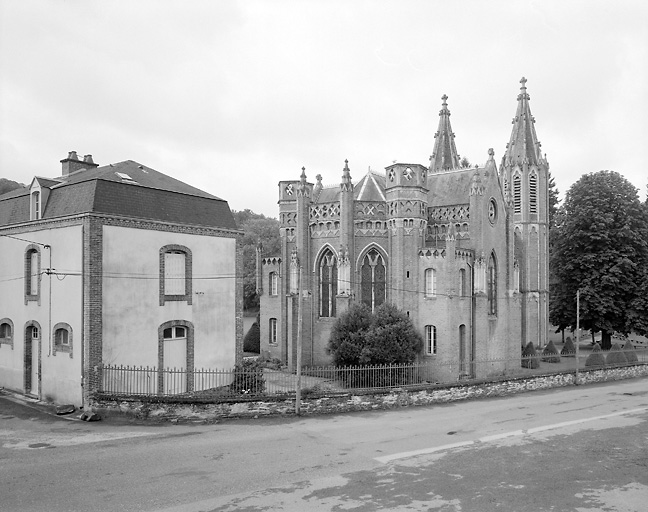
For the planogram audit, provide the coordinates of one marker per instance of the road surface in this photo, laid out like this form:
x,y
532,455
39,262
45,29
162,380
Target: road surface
x,y
571,449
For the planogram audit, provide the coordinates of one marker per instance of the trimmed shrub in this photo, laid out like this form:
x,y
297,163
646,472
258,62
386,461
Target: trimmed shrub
x,y
629,351
569,349
248,378
530,357
596,358
550,353
616,355
252,340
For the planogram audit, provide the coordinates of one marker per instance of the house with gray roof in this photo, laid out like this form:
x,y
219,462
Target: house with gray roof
x,y
116,265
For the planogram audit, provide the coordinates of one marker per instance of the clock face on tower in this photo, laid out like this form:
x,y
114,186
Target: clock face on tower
x,y
492,211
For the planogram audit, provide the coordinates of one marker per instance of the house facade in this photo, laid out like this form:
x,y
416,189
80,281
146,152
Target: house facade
x,y
114,265
463,251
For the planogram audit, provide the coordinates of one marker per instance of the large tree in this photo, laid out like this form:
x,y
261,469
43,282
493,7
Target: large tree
x,y
256,228
8,185
600,247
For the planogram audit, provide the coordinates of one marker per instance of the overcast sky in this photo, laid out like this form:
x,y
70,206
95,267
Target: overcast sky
x,y
233,96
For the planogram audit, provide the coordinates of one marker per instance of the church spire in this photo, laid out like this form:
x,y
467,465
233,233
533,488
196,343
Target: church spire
x,y
523,146
444,156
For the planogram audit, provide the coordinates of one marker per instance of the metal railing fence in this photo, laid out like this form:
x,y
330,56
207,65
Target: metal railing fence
x,y
265,381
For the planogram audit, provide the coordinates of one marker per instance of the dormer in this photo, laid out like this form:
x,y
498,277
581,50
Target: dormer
x,y
35,200
39,192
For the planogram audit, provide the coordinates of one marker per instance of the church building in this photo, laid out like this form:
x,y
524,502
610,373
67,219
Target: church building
x,y
463,251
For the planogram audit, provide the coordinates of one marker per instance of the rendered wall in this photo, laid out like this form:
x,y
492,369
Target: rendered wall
x,y
132,312
60,373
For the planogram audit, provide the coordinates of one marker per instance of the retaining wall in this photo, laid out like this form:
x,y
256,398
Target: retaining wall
x,y
181,409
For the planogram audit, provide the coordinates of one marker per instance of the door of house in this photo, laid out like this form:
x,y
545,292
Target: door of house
x,y
32,337
175,360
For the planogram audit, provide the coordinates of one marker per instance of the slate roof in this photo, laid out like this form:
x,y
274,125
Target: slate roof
x,y
450,187
523,144
137,191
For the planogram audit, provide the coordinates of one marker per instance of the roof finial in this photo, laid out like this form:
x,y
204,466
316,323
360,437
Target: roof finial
x,y
523,81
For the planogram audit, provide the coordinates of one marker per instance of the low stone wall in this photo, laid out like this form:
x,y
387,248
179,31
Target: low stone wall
x,y
178,409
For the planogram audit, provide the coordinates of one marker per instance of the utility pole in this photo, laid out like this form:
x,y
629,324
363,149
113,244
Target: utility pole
x,y
299,345
577,333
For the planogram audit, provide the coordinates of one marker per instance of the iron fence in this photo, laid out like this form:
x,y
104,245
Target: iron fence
x,y
257,380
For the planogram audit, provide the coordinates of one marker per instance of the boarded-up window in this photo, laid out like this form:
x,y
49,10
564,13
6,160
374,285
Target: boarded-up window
x,y
174,273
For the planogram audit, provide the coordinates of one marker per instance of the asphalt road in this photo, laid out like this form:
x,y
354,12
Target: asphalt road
x,y
570,449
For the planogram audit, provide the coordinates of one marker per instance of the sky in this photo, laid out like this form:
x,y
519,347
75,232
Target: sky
x,y
233,96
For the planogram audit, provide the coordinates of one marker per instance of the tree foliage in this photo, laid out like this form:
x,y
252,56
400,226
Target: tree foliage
x,y
600,246
8,185
256,228
384,337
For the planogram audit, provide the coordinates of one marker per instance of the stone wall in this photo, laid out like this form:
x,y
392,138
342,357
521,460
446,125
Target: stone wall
x,y
179,409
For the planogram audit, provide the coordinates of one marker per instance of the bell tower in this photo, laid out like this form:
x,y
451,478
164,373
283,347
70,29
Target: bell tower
x,y
525,176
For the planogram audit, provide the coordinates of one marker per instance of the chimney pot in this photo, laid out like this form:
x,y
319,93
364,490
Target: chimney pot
x,y
72,155
88,159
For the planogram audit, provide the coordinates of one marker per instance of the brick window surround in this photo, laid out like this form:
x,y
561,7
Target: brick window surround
x,y
189,357
62,339
187,296
32,275
6,332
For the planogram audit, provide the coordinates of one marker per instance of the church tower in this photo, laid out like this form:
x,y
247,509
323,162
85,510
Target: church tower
x,y
525,176
444,157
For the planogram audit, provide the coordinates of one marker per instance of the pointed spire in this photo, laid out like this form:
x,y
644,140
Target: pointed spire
x,y
491,166
444,156
302,189
523,146
346,184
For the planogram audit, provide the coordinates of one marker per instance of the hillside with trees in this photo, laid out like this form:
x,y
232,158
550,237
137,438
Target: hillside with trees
x,y
256,228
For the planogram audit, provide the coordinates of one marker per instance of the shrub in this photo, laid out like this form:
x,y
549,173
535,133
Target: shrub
x,y
550,353
629,352
248,378
596,357
252,340
385,337
569,349
616,355
530,357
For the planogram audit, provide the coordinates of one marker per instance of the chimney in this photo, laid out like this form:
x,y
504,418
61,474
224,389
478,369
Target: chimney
x,y
72,163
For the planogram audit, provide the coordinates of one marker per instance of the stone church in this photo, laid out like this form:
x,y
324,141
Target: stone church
x,y
463,251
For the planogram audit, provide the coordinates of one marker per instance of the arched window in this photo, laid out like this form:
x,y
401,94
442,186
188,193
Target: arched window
x,y
533,192
517,192
273,283
373,279
328,277
492,285
32,273
430,340
35,206
175,274
272,336
462,282
430,282
6,332
62,338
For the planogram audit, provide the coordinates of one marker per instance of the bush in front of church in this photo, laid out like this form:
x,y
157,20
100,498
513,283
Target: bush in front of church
x,y
386,337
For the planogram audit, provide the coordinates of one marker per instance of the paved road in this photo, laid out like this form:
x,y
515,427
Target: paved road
x,y
572,449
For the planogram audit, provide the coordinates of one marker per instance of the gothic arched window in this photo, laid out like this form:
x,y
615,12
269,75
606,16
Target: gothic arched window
x,y
328,277
533,192
517,192
373,279
492,285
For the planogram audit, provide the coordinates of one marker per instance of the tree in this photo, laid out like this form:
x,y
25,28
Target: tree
x,y
553,200
600,246
8,185
384,337
256,228
464,163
